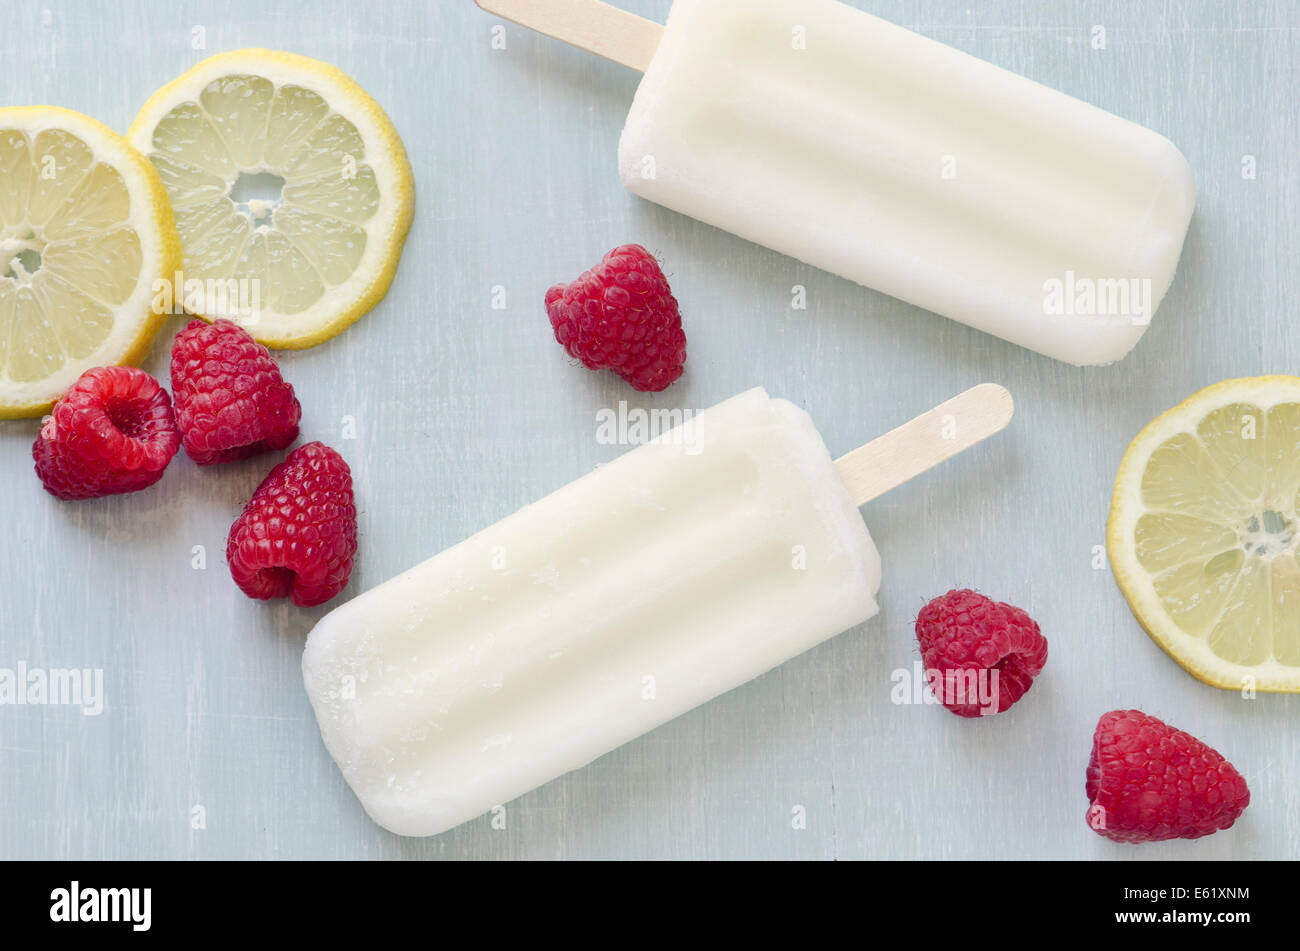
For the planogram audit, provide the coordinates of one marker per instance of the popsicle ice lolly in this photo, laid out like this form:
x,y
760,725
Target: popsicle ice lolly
x,y
887,158
677,572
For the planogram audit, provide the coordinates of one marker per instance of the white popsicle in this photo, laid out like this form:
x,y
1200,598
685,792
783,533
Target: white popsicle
x,y
887,158
645,588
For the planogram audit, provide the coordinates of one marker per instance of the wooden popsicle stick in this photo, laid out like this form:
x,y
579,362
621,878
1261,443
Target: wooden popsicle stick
x,y
904,453
596,27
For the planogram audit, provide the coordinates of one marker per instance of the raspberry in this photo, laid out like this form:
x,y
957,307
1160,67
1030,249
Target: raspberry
x,y
114,431
622,316
1148,782
231,402
297,535
963,634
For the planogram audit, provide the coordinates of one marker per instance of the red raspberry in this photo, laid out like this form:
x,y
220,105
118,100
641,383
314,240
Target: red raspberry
x,y
964,633
297,535
1148,782
622,316
114,431
231,402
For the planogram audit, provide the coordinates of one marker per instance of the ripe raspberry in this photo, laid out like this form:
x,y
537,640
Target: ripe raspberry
x,y
1148,782
963,633
297,535
622,316
231,401
114,431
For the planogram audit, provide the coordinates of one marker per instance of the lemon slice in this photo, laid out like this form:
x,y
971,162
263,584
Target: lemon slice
x,y
85,234
1203,533
292,192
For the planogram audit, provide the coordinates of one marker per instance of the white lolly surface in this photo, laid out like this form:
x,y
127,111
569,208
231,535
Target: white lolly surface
x,y
905,165
676,572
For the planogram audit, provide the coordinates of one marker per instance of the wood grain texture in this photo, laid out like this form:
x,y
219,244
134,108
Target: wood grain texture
x,y
463,412
590,25
920,444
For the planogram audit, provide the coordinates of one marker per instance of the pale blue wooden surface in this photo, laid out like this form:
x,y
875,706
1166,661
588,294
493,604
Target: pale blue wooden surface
x,y
463,413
